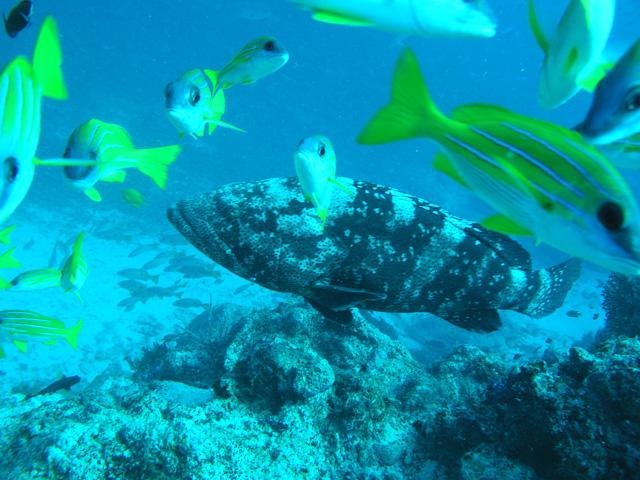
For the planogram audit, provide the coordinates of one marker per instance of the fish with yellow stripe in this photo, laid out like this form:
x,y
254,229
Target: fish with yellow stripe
x,y
541,178
22,86
194,104
573,54
110,148
21,327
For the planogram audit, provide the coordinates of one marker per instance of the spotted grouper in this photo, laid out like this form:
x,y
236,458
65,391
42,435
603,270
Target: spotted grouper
x,y
380,250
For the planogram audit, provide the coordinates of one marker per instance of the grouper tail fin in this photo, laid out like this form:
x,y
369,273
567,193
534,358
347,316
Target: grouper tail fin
x,y
549,288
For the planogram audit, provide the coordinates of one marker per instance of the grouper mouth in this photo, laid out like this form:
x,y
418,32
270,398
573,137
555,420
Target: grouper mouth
x,y
189,217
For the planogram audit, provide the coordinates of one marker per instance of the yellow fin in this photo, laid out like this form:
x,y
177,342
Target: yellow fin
x,y
325,16
219,123
443,164
8,261
93,194
570,62
115,177
5,234
20,345
344,188
71,334
536,28
590,81
154,162
47,60
501,224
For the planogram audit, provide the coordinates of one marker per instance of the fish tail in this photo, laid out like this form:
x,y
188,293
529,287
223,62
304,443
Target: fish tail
x,y
5,234
47,61
552,286
411,111
71,334
154,162
8,261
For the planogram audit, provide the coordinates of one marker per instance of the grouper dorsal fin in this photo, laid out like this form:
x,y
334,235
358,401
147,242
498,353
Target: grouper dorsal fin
x,y
509,250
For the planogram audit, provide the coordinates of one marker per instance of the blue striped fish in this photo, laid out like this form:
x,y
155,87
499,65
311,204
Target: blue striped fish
x,y
542,179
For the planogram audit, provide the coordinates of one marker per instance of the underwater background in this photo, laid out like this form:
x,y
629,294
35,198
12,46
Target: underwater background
x,y
250,383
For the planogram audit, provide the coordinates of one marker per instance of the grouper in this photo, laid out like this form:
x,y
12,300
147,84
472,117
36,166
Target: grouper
x,y
380,249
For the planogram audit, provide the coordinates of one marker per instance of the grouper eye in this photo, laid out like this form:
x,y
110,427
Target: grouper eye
x,y
632,100
194,96
611,216
10,169
321,149
269,46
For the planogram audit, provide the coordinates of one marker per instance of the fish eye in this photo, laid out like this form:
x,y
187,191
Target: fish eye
x,y
194,96
269,46
611,216
321,149
10,169
632,100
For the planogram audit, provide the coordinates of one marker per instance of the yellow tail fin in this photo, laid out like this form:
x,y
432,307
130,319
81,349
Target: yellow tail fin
x,y
153,162
47,60
8,261
5,234
71,334
411,112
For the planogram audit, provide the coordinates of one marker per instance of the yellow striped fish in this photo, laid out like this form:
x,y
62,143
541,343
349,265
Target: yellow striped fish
x,y
75,270
543,179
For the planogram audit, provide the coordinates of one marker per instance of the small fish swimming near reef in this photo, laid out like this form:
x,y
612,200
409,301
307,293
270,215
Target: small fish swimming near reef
x,y
382,250
133,285
65,383
192,106
138,274
148,293
542,179
573,313
573,55
257,59
133,197
315,162
142,249
451,18
22,86
19,18
129,303
190,303
38,279
615,110
110,147
23,326
75,270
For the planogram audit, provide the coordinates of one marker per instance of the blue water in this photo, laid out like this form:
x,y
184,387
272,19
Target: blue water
x,y
118,57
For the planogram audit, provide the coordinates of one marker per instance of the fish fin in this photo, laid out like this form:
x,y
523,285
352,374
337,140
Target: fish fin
x,y
484,321
64,162
443,164
7,259
20,345
536,28
71,334
339,316
478,113
154,162
220,123
5,234
326,16
505,248
553,284
4,284
501,224
93,194
116,177
336,297
411,111
322,213
47,60
591,79
78,296
342,187
2,354
570,62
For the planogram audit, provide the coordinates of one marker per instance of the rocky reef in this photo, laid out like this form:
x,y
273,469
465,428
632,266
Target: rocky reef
x,y
285,393
622,306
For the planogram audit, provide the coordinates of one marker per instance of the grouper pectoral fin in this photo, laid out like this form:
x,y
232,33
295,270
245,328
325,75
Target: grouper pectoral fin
x,y
336,297
340,316
484,321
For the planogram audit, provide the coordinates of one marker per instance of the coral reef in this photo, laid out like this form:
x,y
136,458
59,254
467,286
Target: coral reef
x,y
622,306
249,394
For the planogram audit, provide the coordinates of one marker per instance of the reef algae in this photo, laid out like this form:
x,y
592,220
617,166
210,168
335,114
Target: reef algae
x,y
286,393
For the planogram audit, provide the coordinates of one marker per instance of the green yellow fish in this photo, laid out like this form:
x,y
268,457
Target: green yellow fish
x,y
38,279
23,326
573,55
315,163
110,148
75,270
193,107
541,178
